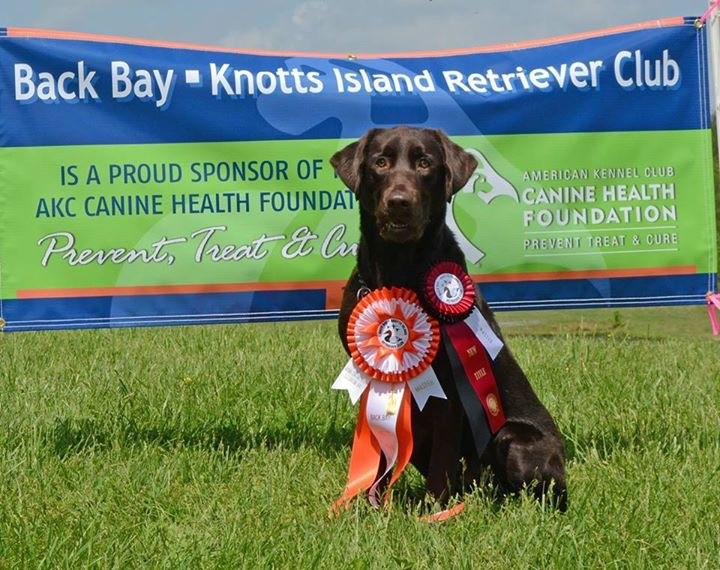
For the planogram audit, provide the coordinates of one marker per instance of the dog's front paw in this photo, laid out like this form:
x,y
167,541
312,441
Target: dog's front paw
x,y
527,458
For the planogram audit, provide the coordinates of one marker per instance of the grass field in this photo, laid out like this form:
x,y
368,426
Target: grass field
x,y
222,447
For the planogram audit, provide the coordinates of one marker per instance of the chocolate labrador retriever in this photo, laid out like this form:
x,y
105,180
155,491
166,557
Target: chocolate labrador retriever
x,y
403,178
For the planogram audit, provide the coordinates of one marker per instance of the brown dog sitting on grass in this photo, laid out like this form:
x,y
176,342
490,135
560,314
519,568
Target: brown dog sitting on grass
x,y
403,178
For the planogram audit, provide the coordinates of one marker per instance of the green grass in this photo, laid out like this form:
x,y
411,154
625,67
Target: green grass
x,y
222,447
649,323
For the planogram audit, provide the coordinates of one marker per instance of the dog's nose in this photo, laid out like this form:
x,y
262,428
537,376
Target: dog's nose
x,y
398,203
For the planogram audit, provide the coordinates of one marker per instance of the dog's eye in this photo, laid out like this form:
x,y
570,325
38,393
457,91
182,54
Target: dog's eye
x,y
423,163
381,162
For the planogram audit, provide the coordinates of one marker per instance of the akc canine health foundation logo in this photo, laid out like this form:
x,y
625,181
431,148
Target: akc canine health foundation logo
x,y
484,175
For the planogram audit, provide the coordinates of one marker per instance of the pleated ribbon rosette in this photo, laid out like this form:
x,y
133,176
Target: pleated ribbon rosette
x,y
392,342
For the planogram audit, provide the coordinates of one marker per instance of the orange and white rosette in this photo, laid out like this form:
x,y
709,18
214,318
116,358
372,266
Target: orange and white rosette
x,y
392,342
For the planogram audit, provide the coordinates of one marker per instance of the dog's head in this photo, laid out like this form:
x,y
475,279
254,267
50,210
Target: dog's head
x,y
403,176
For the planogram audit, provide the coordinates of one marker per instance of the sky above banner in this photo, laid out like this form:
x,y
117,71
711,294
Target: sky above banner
x,y
340,25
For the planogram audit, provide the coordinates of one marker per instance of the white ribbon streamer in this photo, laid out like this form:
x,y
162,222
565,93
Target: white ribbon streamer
x,y
352,380
425,385
484,333
383,405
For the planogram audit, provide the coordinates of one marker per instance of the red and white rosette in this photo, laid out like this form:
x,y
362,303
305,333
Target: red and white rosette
x,y
448,291
393,343
470,344
449,294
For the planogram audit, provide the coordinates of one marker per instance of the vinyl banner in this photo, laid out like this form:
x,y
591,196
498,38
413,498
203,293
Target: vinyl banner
x,y
144,183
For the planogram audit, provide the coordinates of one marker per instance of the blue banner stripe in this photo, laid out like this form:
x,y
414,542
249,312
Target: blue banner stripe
x,y
218,308
576,293
150,310
112,92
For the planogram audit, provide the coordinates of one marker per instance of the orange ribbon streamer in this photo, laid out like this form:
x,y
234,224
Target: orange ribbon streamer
x,y
365,455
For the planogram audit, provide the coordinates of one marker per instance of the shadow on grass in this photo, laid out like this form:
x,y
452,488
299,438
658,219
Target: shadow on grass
x,y
68,436
409,495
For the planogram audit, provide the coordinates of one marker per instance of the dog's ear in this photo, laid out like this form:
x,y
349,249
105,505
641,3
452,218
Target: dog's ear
x,y
459,164
348,161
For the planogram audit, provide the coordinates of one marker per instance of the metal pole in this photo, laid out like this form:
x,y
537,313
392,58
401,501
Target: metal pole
x,y
714,39
713,32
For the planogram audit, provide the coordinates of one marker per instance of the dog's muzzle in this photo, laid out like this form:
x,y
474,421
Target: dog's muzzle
x,y
400,217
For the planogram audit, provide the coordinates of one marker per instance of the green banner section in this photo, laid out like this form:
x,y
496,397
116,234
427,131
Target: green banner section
x,y
248,212
591,201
